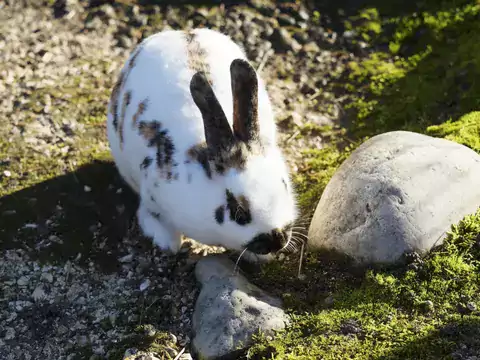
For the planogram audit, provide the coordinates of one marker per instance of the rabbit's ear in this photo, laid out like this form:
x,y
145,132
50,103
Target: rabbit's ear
x,y
218,133
245,100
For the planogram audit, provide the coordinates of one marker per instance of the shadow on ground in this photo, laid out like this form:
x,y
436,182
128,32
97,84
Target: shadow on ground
x,y
170,2
338,11
83,213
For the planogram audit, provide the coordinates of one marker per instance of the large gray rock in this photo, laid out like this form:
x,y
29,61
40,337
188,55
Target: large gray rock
x,y
229,310
399,191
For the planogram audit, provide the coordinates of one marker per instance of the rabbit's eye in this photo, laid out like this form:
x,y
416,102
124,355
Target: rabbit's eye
x,y
239,209
242,217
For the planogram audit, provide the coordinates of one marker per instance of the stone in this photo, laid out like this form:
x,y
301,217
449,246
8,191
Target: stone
x,y
134,354
9,333
398,192
229,310
39,294
24,280
283,42
61,8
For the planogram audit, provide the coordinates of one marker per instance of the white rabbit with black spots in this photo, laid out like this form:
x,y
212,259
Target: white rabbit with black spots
x,y
192,131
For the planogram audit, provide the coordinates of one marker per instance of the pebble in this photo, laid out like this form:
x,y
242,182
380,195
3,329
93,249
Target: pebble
x,y
329,300
47,276
144,285
23,281
471,306
9,333
39,294
282,41
126,258
428,305
61,330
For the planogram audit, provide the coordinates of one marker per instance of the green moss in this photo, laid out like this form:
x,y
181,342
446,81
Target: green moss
x,y
367,24
427,76
465,130
314,173
425,311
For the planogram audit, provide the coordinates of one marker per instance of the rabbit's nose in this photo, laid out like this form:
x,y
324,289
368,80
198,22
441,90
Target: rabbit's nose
x,y
266,243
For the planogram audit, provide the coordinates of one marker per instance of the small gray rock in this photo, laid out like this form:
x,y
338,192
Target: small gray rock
x,y
24,280
229,309
471,306
282,41
39,294
399,191
9,333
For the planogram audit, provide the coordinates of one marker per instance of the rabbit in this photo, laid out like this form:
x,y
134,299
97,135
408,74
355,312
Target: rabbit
x,y
191,130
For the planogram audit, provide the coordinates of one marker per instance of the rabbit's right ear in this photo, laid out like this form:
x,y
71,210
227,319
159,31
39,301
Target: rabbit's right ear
x,y
245,100
218,133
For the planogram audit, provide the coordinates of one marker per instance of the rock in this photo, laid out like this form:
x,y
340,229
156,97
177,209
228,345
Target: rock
x,y
282,41
24,280
427,305
311,47
350,326
134,354
302,37
303,15
125,42
39,294
62,8
471,306
144,285
127,258
398,192
285,20
9,333
48,277
264,7
229,309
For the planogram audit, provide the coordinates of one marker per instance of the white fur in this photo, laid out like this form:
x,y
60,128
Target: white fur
x,y
161,74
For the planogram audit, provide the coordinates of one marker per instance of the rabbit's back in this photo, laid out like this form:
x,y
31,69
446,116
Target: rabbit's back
x,y
152,98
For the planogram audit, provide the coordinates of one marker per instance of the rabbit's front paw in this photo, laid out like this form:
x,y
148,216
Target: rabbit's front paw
x,y
165,238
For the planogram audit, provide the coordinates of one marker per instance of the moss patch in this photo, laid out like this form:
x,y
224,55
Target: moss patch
x,y
465,131
421,70
314,173
427,310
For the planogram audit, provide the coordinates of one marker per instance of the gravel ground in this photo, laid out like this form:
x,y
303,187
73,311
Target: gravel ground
x,y
77,278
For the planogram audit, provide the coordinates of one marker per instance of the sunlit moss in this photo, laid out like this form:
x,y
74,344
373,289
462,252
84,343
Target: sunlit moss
x,y
465,130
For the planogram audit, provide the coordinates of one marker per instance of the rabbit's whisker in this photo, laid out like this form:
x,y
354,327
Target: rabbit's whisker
x,y
301,260
238,260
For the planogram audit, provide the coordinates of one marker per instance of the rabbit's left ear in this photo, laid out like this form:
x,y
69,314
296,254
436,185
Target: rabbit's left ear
x,y
218,133
245,100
